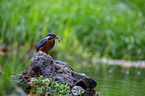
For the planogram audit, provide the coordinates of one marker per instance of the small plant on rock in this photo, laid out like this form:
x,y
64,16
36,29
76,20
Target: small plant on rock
x,y
45,86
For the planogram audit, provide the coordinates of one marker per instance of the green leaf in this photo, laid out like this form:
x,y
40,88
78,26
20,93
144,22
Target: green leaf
x,y
40,89
41,78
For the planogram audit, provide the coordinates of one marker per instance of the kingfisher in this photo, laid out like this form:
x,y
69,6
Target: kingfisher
x,y
47,43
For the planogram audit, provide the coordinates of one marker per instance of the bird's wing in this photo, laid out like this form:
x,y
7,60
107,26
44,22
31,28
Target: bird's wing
x,y
42,43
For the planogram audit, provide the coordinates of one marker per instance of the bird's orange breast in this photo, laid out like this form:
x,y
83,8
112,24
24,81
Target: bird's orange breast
x,y
48,46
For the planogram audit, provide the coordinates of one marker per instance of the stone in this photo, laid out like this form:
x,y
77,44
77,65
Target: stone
x,y
77,90
43,64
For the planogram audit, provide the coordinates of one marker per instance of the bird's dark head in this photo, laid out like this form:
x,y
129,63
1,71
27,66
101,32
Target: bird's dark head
x,y
50,38
49,35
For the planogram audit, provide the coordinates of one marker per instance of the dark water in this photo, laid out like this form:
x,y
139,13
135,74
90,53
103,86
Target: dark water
x,y
114,80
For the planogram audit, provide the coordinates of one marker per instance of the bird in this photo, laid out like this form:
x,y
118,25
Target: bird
x,y
46,44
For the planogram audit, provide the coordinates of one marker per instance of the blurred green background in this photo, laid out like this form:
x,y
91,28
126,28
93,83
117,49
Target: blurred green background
x,y
113,29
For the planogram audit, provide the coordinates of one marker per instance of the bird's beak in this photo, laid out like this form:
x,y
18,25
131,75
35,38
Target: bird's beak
x,y
59,38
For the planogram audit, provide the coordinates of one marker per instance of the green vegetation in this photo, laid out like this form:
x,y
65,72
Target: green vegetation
x,y
42,86
110,28
89,28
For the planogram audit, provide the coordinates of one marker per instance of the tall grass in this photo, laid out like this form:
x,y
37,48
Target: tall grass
x,y
109,28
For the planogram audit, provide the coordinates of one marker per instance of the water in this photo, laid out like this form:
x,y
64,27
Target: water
x,y
114,80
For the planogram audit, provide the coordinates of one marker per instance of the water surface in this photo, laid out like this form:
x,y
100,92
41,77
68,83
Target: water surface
x,y
114,80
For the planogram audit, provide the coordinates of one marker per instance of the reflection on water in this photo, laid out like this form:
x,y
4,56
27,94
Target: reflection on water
x,y
114,80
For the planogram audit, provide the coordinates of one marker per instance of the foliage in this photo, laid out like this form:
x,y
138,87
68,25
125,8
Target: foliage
x,y
48,86
110,28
